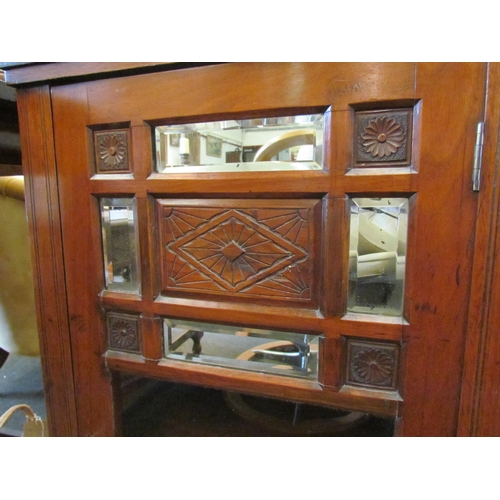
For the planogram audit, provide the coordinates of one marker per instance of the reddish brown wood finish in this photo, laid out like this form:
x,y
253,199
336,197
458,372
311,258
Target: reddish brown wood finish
x,y
440,272
480,405
442,222
26,74
376,402
83,279
42,205
253,250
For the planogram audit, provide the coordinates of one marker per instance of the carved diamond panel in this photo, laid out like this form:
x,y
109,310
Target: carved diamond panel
x,y
383,138
372,364
238,249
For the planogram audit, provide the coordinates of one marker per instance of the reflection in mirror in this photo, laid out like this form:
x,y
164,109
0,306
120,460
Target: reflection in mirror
x,y
284,143
119,244
377,255
280,353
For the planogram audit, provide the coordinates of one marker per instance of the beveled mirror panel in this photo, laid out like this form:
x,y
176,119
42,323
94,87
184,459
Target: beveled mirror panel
x,y
377,255
119,244
267,351
257,144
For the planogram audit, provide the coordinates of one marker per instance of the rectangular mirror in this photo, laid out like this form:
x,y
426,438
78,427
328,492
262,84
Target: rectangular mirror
x,y
257,144
267,351
119,244
377,255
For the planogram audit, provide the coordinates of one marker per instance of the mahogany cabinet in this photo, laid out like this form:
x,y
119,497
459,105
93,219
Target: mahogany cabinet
x,y
345,260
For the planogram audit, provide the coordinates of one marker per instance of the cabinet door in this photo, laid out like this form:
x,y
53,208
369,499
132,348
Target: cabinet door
x,y
333,268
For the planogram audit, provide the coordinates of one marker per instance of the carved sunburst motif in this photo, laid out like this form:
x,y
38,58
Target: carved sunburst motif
x,y
235,251
260,252
373,366
383,136
112,150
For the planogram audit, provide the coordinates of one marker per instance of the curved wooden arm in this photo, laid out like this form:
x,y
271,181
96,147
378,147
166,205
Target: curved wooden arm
x,y
12,186
284,141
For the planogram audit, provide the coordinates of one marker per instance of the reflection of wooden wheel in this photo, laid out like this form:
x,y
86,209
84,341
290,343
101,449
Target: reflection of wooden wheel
x,y
285,417
284,141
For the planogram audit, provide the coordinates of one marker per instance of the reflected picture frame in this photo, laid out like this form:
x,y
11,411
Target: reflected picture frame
x,y
174,140
213,146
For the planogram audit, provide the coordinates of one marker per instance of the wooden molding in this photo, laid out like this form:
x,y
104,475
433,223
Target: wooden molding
x,y
42,205
479,406
36,73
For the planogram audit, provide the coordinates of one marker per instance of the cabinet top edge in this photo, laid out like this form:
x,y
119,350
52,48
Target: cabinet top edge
x,y
18,74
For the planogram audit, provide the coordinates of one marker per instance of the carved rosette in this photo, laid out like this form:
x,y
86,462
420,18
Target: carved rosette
x,y
372,364
111,150
123,332
383,138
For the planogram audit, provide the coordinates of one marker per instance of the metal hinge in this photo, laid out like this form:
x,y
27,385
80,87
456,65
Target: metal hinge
x,y
478,157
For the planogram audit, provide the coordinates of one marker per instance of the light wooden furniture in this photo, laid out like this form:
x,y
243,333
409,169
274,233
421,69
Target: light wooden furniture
x,y
447,325
18,326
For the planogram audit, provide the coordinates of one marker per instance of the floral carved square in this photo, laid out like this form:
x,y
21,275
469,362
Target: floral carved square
x,y
112,151
372,364
123,332
240,248
383,138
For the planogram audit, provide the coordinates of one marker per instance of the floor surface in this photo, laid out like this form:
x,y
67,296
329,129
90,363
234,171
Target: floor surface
x,y
21,383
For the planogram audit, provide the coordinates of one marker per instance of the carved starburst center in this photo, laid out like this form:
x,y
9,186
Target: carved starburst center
x,y
232,251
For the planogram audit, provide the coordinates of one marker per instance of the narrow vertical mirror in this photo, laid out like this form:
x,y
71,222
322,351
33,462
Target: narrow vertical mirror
x,y
377,255
119,244
278,143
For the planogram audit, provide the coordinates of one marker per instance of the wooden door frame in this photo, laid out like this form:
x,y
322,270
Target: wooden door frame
x,y
42,205
479,406
42,201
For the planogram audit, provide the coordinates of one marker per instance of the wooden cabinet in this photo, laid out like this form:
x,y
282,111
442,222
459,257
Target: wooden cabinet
x,y
265,250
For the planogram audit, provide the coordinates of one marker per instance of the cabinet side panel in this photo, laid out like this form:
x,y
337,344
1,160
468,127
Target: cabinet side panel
x,y
42,205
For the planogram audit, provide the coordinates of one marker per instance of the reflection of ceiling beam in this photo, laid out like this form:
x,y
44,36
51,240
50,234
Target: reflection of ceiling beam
x,y
7,93
10,140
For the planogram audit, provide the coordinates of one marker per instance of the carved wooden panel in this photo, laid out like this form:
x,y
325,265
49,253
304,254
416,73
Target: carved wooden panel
x,y
372,364
123,332
383,138
240,248
112,151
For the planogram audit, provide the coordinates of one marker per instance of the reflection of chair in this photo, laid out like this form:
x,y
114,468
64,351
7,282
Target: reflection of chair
x,y
378,247
377,257
284,141
18,327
